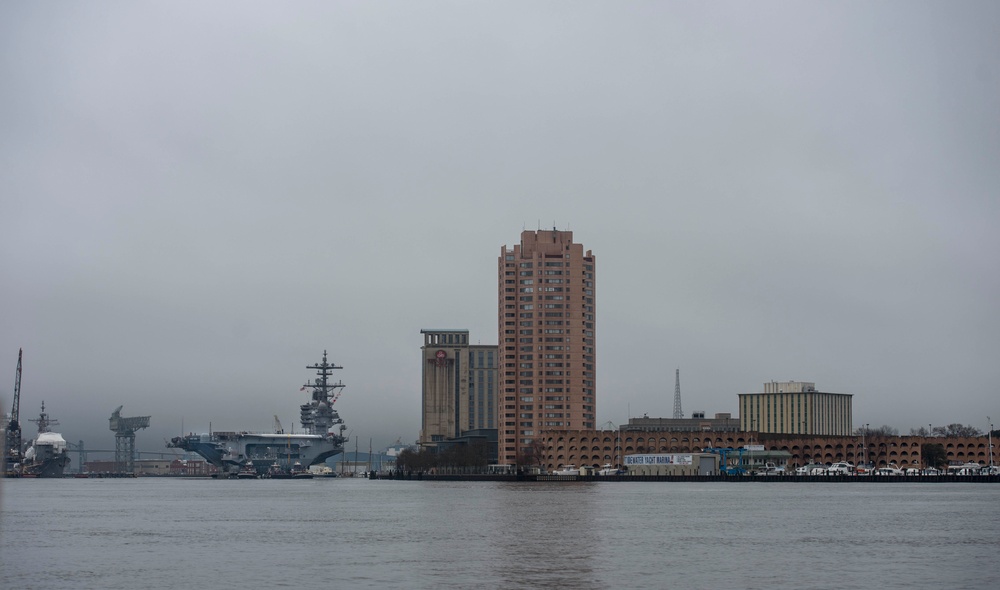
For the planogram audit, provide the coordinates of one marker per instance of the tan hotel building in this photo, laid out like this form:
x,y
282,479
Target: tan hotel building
x,y
795,407
546,339
459,389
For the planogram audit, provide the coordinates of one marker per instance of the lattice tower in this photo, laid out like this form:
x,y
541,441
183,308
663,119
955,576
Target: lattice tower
x,y
678,412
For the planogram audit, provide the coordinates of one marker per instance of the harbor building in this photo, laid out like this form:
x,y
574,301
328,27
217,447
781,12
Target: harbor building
x,y
460,390
546,325
722,422
676,464
596,448
795,407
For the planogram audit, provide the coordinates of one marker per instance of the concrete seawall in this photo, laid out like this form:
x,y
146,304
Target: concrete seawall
x,y
846,479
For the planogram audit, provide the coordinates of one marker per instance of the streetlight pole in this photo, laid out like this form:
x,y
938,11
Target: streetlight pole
x,y
864,446
990,438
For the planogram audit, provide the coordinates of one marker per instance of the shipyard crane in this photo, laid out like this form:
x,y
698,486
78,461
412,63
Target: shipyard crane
x,y
277,426
81,453
12,435
124,429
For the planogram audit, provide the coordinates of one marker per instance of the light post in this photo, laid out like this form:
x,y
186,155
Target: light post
x,y
864,447
990,438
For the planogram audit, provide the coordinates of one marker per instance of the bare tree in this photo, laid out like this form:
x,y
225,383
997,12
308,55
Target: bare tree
x,y
962,430
933,454
532,455
884,430
473,454
416,460
956,430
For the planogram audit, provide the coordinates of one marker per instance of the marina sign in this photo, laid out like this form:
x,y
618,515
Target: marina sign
x,y
659,459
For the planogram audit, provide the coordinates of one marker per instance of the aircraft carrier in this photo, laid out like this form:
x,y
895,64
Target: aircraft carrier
x,y
322,435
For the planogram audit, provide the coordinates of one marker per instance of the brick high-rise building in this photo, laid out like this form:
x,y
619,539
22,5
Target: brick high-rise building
x,y
546,340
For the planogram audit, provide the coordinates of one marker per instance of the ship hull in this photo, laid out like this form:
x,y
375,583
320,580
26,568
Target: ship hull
x,y
230,451
52,467
47,456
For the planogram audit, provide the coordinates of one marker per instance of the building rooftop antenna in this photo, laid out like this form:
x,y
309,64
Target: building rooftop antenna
x,y
678,412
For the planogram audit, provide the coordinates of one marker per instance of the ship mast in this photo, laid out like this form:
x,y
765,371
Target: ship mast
x,y
43,421
318,416
322,388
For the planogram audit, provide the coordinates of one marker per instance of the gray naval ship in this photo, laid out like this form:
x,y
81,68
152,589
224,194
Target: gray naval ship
x,y
268,454
47,456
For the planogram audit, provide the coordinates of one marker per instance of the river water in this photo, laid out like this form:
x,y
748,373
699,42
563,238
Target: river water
x,y
151,534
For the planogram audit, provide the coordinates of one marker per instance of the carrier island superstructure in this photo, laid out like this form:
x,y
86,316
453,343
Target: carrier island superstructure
x,y
322,434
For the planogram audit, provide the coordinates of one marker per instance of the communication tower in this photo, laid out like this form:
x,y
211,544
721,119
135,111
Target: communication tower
x,y
678,413
124,429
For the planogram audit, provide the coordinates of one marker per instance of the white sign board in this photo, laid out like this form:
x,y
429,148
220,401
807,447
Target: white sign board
x,y
659,459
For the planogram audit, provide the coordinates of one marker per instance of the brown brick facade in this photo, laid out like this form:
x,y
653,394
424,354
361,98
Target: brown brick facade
x,y
597,447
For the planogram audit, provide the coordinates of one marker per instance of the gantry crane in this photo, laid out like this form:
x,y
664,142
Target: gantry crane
x,y
124,429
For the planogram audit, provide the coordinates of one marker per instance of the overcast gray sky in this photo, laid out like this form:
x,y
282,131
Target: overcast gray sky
x,y
197,199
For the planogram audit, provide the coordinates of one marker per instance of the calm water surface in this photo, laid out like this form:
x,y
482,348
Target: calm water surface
x,y
352,533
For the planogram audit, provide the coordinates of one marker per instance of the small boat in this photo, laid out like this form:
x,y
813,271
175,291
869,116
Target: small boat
x,y
300,472
890,469
969,468
840,468
248,471
567,470
607,470
276,472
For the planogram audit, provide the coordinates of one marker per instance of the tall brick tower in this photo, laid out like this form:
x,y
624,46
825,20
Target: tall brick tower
x,y
546,340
